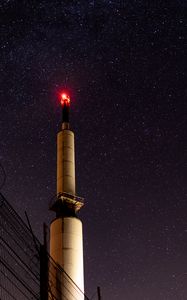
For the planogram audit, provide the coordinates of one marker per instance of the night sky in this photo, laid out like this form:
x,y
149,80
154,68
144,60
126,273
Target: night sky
x,y
123,63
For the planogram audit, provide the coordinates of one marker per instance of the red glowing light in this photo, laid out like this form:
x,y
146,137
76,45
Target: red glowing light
x,y
65,99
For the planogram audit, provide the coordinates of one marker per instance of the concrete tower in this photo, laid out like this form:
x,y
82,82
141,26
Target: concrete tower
x,y
66,239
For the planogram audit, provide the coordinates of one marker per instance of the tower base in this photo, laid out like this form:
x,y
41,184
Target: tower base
x,y
66,248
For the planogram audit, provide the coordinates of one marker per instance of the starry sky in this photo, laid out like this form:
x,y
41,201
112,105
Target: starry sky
x,y
123,63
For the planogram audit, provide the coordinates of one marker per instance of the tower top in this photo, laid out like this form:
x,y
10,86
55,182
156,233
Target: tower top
x,y
65,102
65,99
66,202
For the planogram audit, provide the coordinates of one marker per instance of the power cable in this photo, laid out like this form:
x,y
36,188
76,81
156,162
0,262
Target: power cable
x,y
18,260
15,275
17,236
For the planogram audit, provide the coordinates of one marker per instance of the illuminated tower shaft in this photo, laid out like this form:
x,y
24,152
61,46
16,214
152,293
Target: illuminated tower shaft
x,y
65,162
66,241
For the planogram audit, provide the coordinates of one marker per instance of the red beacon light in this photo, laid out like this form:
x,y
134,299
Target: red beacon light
x,y
65,99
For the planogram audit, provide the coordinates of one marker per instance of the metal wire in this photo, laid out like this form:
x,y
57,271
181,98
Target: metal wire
x,y
20,263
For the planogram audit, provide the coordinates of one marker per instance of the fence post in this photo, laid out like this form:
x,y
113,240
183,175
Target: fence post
x,y
44,268
99,293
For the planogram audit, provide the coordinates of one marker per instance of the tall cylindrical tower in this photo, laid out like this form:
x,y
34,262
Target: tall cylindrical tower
x,y
66,238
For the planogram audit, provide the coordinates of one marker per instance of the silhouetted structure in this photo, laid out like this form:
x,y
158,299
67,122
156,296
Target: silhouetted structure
x,y
24,263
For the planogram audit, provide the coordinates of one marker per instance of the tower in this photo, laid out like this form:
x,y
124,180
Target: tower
x,y
66,239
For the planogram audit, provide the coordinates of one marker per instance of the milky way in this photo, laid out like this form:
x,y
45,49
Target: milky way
x,y
123,63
